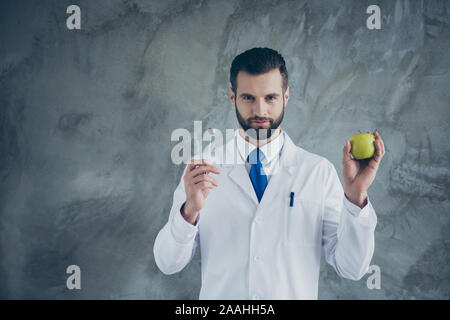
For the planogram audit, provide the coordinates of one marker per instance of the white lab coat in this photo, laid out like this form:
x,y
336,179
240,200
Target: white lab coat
x,y
269,250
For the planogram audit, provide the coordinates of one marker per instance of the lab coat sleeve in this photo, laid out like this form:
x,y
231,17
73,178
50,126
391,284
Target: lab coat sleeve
x,y
348,236
176,242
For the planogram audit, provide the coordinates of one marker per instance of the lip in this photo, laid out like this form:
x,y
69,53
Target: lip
x,y
259,122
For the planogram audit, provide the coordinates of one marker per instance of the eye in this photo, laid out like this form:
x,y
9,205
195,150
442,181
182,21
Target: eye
x,y
246,98
271,98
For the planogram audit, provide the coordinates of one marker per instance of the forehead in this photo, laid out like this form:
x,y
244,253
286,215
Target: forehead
x,y
260,84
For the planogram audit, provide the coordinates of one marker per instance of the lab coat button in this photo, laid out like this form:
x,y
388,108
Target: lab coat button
x,y
256,258
258,220
256,297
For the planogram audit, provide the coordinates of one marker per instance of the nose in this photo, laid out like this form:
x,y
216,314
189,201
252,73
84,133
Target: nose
x,y
260,108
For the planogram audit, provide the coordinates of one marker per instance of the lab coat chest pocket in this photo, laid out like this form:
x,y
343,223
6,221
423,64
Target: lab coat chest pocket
x,y
302,219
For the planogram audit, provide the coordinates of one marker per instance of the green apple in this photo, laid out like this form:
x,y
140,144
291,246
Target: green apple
x,y
362,145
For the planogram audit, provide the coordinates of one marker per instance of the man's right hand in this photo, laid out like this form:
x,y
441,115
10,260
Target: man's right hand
x,y
197,184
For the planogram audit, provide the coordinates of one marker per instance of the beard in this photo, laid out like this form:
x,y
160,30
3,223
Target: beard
x,y
259,133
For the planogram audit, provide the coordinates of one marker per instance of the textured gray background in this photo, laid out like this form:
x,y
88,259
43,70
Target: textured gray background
x,y
86,118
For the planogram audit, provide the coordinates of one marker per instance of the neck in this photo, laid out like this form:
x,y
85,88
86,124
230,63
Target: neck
x,y
259,143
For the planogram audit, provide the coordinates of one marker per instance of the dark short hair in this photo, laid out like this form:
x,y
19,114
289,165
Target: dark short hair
x,y
258,61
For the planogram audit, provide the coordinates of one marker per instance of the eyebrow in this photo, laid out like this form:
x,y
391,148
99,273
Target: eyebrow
x,y
269,94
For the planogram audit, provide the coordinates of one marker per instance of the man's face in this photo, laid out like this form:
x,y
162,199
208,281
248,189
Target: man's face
x,y
259,102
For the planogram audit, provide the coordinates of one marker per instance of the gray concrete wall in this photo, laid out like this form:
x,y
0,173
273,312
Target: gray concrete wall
x,y
86,117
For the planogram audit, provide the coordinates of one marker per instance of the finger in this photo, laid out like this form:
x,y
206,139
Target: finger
x,y
378,138
204,177
377,135
382,146
194,163
346,154
204,184
203,169
377,156
379,150
206,189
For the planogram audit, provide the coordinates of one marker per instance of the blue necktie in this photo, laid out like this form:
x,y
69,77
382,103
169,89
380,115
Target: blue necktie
x,y
257,175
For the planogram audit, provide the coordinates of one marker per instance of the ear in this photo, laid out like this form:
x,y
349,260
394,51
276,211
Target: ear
x,y
232,96
286,96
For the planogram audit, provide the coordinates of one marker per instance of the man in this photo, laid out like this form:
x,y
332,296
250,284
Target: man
x,y
262,222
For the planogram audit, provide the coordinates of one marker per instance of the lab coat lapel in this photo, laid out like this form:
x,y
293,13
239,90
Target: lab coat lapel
x,y
238,173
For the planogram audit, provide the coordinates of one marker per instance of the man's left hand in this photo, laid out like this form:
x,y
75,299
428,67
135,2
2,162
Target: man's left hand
x,y
359,174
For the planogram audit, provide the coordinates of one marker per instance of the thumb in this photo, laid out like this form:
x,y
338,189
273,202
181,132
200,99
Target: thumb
x,y
346,155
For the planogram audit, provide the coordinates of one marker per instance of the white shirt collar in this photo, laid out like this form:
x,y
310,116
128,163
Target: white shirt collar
x,y
270,150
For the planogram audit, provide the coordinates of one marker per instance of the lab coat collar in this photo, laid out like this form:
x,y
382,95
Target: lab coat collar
x,y
239,175
270,150
287,159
